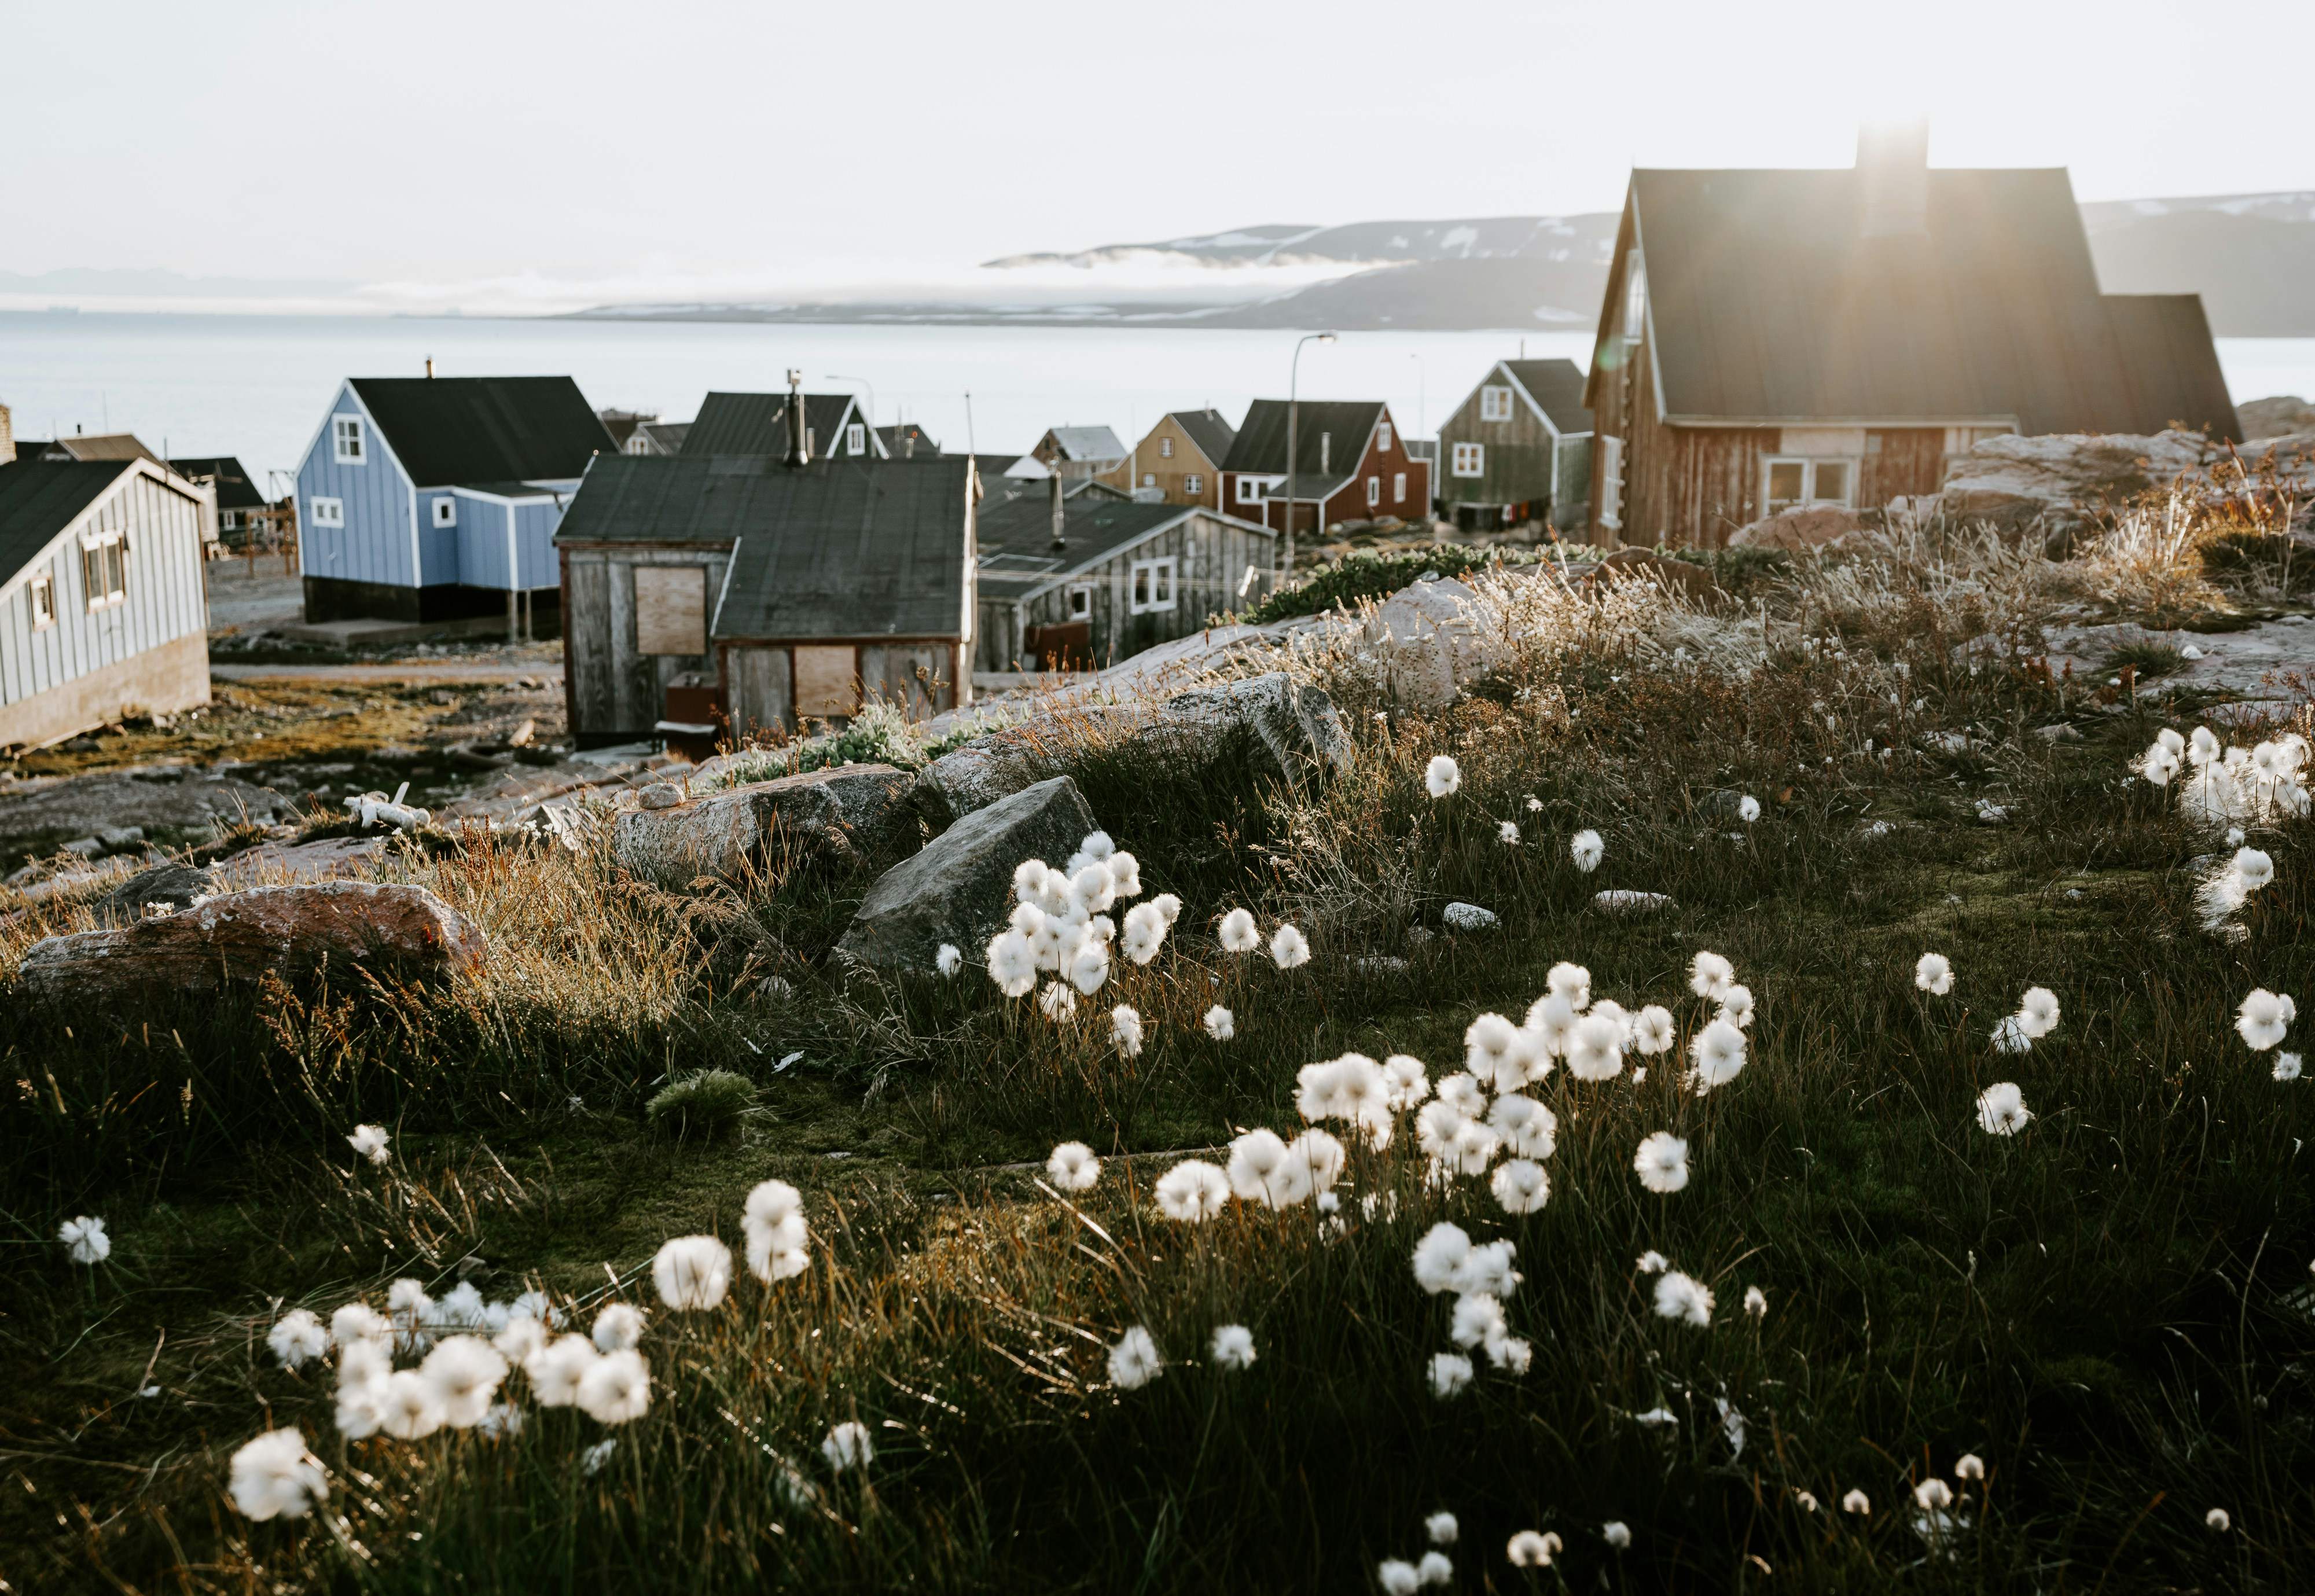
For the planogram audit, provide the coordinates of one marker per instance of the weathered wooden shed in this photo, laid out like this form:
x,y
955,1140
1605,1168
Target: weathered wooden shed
x,y
799,591
102,609
1519,447
1777,339
1132,575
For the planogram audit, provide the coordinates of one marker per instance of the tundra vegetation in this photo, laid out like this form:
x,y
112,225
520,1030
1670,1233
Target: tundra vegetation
x,y
1916,1200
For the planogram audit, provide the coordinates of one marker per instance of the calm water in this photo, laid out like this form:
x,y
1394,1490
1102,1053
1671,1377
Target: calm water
x,y
255,385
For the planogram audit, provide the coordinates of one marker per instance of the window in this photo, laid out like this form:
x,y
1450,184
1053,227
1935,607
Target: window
x,y
1636,297
346,439
1398,487
1798,484
1382,437
1470,459
1165,448
1152,585
1149,479
1193,484
1081,602
671,609
446,512
1611,483
1249,492
856,438
1374,491
104,572
329,512
1494,404
42,592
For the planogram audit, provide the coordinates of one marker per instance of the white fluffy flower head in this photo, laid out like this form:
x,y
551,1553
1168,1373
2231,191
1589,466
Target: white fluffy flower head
x,y
1133,1362
1442,775
691,1273
1662,1163
2002,1109
1073,1167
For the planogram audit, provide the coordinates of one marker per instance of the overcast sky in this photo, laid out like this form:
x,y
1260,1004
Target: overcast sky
x,y
636,145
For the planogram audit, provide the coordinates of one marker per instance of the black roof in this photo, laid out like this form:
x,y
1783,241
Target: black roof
x,y
40,497
1261,442
838,548
1558,387
1016,535
1767,302
1207,429
235,491
897,436
452,429
756,424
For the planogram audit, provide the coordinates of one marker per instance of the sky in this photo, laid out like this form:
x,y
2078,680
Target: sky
x,y
435,152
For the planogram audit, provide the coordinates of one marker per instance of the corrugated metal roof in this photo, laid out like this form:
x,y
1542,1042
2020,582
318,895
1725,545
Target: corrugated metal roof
x,y
1207,429
839,548
235,491
1767,302
447,429
756,424
898,437
1558,388
40,497
1261,442
103,445
1086,443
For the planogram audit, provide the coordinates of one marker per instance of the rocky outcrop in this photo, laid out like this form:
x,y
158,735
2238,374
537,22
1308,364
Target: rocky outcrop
x,y
1795,530
276,864
153,799
1676,577
959,887
837,813
164,889
2063,479
2279,417
240,936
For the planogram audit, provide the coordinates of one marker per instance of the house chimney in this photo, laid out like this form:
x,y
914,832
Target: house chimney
x,y
1061,513
1893,179
7,438
799,441
429,366
1326,454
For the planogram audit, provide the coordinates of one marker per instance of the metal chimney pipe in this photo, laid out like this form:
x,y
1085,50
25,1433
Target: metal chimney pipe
x,y
430,365
799,441
1060,540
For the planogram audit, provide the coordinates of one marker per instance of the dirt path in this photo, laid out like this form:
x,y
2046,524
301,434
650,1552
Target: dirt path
x,y
417,670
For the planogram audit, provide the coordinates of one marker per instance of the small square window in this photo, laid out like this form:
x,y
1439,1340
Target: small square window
x,y
1249,492
105,573
856,438
346,441
1149,479
1398,488
1494,404
1382,437
1787,483
329,512
1832,485
446,512
1193,484
1081,602
42,591
1152,585
1470,459
1165,448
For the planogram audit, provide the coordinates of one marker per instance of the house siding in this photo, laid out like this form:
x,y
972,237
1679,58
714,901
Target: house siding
x,y
615,692
1211,555
1517,463
374,545
1349,502
1171,474
919,674
482,524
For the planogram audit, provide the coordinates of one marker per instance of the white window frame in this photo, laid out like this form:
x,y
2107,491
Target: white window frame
x,y
1398,487
856,438
111,552
1495,403
349,440
1470,460
1149,479
1151,587
1374,492
1193,484
1249,490
446,512
1081,601
40,593
1636,297
1811,498
1611,483
1382,436
328,511
1165,448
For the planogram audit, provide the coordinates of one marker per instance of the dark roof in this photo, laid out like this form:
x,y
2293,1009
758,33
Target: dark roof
x,y
1558,387
1261,442
839,548
896,436
103,446
1767,302
450,430
621,424
235,491
667,437
1207,429
516,490
756,424
40,497
1016,535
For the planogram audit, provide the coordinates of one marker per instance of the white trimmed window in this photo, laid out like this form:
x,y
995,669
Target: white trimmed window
x,y
1470,459
1796,483
1611,483
1382,436
856,438
1398,487
1374,491
1149,479
329,512
1081,601
1165,448
1152,585
104,572
42,592
1636,297
1193,484
1494,404
348,446
446,512
1249,491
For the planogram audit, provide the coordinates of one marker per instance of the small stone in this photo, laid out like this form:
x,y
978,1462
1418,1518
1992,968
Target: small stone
x,y
87,847
2061,733
121,836
1992,814
1468,917
661,795
1624,900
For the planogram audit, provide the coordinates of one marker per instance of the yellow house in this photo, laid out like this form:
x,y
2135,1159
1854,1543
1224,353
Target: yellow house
x,y
1180,462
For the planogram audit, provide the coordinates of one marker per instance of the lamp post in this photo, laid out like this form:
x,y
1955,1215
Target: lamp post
x,y
1293,389
865,383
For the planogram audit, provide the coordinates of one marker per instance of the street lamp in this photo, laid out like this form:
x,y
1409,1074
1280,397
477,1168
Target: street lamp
x,y
1293,381
865,383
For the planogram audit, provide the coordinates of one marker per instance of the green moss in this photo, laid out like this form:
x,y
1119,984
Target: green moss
x,y
704,1106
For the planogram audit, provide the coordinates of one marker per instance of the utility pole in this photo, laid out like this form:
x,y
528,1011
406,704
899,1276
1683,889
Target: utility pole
x,y
1293,393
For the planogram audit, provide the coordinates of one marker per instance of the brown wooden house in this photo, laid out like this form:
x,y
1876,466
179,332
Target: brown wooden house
x,y
1352,464
1180,462
1790,338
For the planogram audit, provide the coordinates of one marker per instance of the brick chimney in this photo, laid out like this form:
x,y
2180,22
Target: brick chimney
x,y
1893,179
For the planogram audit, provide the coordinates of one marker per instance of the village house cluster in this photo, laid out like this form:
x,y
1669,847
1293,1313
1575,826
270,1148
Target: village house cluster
x,y
1768,341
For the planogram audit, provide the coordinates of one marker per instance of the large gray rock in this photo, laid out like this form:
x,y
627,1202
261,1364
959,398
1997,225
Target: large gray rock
x,y
277,864
1793,530
2278,417
1297,725
836,812
2063,478
959,887
154,799
241,936
165,888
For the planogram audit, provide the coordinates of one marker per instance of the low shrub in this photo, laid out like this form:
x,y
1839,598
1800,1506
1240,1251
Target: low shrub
x,y
701,1106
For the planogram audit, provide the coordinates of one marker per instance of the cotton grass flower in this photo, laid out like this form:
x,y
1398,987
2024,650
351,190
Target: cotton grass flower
x,y
618,1327
1736,1006
1933,1494
1855,1501
1012,963
1683,1298
1220,1024
591,1460
1057,1002
1529,1549
2037,1012
1529,1129
2002,1109
1442,775
369,1141
2253,868
1509,831
1491,1051
1662,1163
1396,1576
2287,1067
2217,1521
1521,1186
410,1408
522,1339
1434,1569
84,1240
1441,1528
1073,1167
1475,1319
1652,1030
1238,933
1406,1083
1571,981
615,1389
296,1336
1717,1053
1652,1261
2010,1036
1969,1465
1587,850
1617,1534
1232,1347
1450,1373
1933,973
1125,1030
777,1236
1710,976
464,1371
949,960
1440,1256
691,1273
849,1446
1145,932
1595,1048
1289,948
1133,1362
274,1476
359,1322
556,1369
2263,1017
1464,1093
1756,1303
1193,1192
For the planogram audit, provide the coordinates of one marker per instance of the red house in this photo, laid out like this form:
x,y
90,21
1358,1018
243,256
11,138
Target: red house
x,y
1351,465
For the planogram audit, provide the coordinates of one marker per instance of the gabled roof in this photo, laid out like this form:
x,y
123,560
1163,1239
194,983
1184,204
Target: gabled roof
x,y
667,437
1086,443
451,430
897,436
1261,443
1207,429
756,424
235,491
1557,387
621,424
838,548
40,497
101,445
1767,303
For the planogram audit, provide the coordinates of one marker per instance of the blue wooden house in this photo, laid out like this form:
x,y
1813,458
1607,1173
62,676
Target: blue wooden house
x,y
432,500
